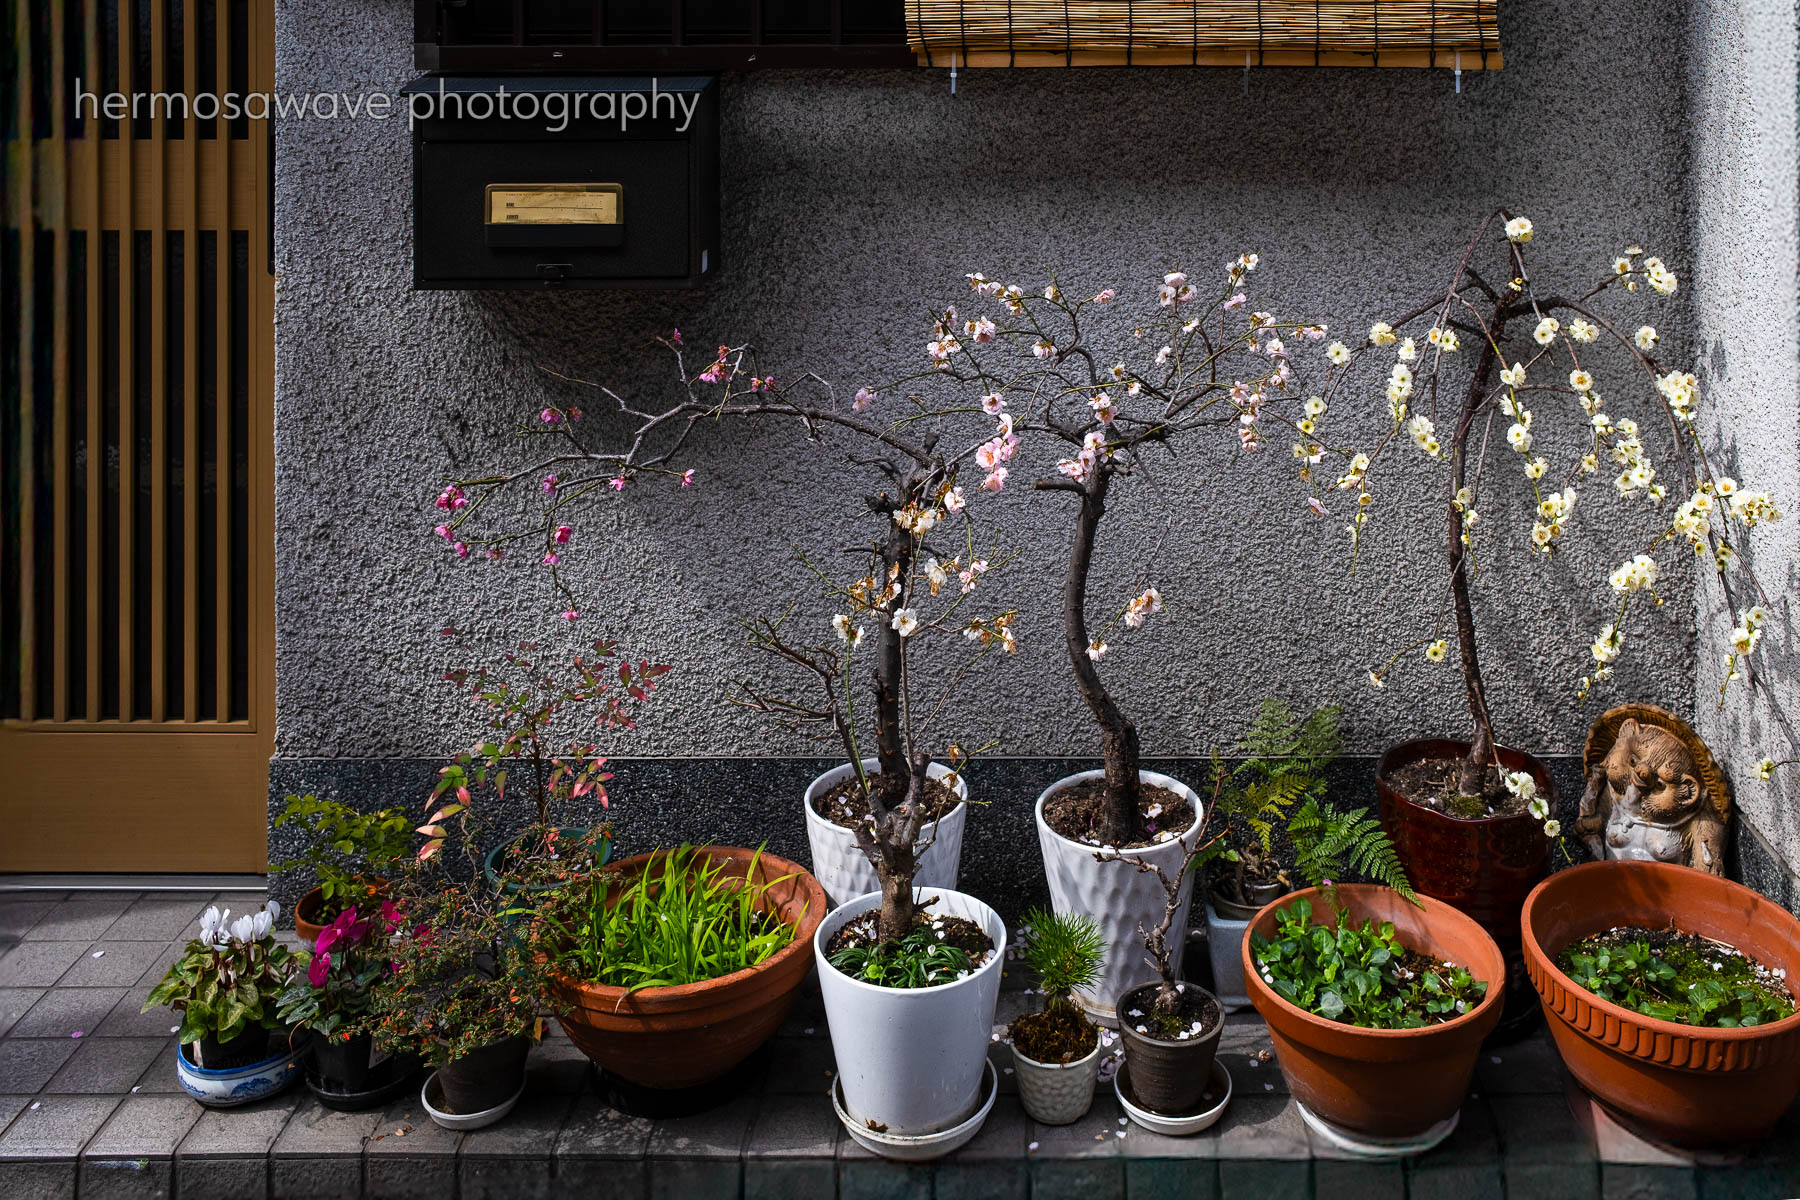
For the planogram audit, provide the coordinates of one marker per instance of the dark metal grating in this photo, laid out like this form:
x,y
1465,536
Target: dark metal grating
x,y
667,35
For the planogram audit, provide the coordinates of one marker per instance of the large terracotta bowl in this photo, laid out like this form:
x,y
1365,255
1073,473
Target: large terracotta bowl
x,y
1382,1083
1688,1085
675,1037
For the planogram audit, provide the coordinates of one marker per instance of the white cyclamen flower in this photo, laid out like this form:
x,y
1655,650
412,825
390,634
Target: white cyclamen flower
x,y
244,928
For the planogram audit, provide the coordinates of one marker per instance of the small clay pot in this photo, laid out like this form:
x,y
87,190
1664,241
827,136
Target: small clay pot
x,y
484,1079
307,910
1381,1083
1168,1076
247,1048
677,1037
1686,1084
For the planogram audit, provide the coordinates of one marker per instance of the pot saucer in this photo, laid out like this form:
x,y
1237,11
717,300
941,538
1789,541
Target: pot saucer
x,y
1212,1104
1364,1145
431,1095
925,1146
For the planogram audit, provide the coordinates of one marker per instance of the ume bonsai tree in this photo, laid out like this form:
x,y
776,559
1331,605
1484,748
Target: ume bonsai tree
x,y
910,593
1539,361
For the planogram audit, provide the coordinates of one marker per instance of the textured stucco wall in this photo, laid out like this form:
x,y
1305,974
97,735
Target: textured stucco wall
x,y
1742,83
848,199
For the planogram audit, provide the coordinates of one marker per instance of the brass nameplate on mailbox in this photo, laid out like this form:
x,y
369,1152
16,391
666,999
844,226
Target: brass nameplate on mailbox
x,y
555,203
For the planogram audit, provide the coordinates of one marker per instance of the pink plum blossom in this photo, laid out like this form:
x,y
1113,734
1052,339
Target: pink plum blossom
x,y
996,479
562,535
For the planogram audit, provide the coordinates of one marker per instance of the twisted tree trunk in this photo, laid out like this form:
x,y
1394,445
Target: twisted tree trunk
x,y
1472,774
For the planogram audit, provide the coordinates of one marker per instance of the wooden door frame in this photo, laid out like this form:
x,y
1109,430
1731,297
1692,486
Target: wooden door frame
x,y
159,791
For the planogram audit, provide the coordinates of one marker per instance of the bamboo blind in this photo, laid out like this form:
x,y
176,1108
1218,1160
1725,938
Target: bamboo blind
x,y
1265,33
135,409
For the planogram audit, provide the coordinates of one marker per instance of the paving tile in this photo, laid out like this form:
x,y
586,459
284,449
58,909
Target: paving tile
x,y
10,1107
116,964
159,917
557,1065
1076,1178
50,1180
1171,1179
1248,1179
83,919
1641,1181
409,1156
56,1126
26,1064
19,911
1094,1136
700,1155
1352,1179
862,1176
66,1011
14,1003
511,1160
1530,1067
800,1066
225,1154
127,1019
318,1155
159,1078
244,1178
1242,1045
39,964
1466,1166
126,1179
1261,1128
159,966
145,1127
601,1151
105,1066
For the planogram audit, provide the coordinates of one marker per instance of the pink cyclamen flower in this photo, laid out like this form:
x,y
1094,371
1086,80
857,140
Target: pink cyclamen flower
x,y
687,477
319,970
562,535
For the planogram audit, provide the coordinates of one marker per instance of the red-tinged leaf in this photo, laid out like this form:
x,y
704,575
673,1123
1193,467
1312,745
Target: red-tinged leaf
x,y
604,802
431,831
624,672
462,793
500,784
582,789
637,693
449,810
429,849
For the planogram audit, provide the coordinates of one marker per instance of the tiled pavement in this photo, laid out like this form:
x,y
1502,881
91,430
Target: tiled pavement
x,y
89,1106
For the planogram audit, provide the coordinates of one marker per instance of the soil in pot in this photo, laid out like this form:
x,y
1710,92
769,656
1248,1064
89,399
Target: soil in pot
x,y
246,1049
484,1079
844,804
1075,813
1171,1054
1433,783
939,950
1059,1036
1676,976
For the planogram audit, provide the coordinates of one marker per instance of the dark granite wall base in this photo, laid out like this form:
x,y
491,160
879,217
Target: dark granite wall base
x,y
747,801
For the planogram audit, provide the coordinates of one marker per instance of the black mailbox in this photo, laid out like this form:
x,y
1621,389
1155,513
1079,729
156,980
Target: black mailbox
x,y
572,181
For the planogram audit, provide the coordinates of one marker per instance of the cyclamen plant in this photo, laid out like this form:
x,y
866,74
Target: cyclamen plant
x,y
1554,369
334,995
226,980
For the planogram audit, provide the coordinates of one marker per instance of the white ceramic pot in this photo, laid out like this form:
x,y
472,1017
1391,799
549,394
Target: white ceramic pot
x,y
1225,941
844,871
911,1059
1057,1093
1119,897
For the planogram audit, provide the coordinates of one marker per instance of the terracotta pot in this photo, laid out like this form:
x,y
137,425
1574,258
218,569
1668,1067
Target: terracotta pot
x,y
308,908
1382,1083
1169,1077
1686,1084
676,1037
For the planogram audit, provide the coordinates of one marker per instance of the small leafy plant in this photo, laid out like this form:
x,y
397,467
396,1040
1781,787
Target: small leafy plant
x,y
1677,982
348,960
1065,952
685,920
1283,763
920,959
344,848
1360,975
227,979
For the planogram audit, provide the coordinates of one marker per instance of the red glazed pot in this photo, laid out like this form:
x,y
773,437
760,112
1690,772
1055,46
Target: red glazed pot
x,y
1484,867
1385,1083
1685,1084
676,1037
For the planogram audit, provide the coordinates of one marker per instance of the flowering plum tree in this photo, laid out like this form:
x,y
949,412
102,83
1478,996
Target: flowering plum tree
x,y
1555,341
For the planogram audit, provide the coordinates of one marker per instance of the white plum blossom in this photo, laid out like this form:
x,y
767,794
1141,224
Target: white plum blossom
x,y
906,622
1518,230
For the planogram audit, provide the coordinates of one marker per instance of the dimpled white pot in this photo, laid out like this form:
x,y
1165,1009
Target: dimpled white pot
x,y
911,1059
1120,898
841,867
1057,1093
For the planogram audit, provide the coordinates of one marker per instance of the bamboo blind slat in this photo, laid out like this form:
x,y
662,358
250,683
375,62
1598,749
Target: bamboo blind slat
x,y
1388,33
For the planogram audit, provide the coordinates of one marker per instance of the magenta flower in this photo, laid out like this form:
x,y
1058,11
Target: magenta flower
x,y
562,535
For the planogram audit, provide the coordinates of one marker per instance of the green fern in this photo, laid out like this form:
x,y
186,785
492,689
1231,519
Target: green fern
x,y
1330,843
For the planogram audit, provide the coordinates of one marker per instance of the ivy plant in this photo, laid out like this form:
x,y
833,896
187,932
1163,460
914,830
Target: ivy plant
x,y
1360,975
